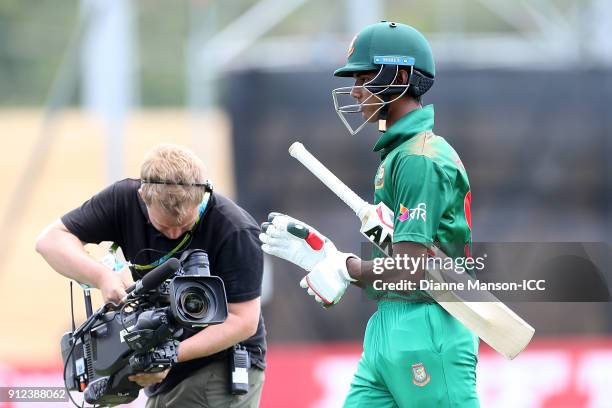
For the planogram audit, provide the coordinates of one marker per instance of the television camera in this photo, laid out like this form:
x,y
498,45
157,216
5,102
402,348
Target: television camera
x,y
141,334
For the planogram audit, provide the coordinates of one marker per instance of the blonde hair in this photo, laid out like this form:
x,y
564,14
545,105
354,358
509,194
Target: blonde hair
x,y
172,164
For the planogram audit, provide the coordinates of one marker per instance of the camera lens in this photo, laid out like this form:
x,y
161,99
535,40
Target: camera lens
x,y
194,303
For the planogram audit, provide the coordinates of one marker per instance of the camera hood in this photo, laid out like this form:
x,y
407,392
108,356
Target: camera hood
x,y
197,301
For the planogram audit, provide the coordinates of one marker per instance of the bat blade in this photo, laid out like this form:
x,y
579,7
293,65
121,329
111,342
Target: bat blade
x,y
494,322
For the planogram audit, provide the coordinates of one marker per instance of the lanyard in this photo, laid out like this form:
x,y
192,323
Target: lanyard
x,y
180,245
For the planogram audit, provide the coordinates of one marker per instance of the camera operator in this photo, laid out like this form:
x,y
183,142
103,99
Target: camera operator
x,y
171,209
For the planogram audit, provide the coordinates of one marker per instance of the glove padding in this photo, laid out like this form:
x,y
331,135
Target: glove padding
x,y
302,245
329,279
294,241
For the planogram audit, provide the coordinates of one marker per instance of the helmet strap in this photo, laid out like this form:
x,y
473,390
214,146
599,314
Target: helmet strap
x,y
382,115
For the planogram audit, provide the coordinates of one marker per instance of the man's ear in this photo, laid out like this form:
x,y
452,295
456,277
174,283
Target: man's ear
x,y
140,194
403,77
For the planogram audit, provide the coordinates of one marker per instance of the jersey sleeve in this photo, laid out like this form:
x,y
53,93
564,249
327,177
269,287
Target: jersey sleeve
x,y
96,220
240,265
421,191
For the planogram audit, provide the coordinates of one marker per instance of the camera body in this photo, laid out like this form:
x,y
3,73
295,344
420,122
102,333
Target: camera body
x,y
142,335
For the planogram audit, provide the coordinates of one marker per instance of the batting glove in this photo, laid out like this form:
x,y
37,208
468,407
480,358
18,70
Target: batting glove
x,y
294,241
302,245
329,279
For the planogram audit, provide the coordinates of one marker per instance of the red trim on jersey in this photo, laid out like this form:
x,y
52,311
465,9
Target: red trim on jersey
x,y
467,203
467,251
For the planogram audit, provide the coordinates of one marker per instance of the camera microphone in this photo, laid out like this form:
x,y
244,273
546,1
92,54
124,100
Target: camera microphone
x,y
154,278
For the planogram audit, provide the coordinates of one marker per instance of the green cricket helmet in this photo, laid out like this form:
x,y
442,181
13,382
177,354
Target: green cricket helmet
x,y
385,48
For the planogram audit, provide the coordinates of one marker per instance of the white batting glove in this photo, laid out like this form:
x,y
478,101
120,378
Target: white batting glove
x,y
294,241
329,279
302,245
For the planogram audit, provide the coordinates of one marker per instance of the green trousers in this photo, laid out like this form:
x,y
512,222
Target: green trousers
x,y
415,355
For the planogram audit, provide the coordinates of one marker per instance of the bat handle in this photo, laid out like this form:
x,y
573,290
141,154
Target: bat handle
x,y
352,200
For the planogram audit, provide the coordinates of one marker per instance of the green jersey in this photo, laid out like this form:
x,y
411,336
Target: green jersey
x,y
422,180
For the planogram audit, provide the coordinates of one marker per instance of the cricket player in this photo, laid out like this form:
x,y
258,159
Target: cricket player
x,y
414,353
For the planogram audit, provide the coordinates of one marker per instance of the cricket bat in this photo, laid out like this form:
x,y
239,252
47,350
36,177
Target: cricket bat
x,y
491,320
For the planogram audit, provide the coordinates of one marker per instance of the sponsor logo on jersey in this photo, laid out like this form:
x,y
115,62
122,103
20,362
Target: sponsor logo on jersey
x,y
419,375
419,212
379,180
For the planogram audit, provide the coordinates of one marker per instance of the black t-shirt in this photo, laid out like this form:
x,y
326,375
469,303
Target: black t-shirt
x,y
226,232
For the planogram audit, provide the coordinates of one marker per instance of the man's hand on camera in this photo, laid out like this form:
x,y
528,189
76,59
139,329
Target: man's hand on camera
x,y
299,243
112,287
147,379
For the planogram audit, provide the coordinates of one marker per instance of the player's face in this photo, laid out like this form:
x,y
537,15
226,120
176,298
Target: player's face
x,y
363,96
167,223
